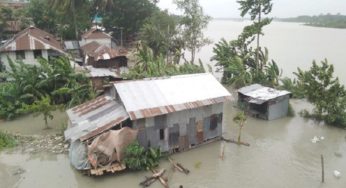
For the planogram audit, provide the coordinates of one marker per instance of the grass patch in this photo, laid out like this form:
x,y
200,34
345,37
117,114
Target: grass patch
x,y
7,140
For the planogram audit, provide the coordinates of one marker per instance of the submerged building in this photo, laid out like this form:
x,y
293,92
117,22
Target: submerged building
x,y
264,102
173,113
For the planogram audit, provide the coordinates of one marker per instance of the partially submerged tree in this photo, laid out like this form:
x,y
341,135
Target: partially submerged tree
x,y
193,22
324,92
42,107
240,119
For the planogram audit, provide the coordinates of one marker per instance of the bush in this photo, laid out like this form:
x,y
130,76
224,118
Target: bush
x,y
137,158
55,79
7,140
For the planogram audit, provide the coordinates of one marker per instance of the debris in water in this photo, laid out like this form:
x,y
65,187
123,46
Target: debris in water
x,y
338,154
322,138
315,139
198,164
18,171
337,174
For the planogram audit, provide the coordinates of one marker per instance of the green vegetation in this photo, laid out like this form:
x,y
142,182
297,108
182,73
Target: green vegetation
x,y
137,158
150,66
8,16
240,119
324,92
31,88
327,20
193,22
241,64
7,140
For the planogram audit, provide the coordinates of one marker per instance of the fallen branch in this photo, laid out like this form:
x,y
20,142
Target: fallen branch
x,y
162,180
179,167
235,142
148,181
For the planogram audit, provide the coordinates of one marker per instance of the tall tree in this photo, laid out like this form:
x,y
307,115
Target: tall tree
x,y
193,22
160,33
128,16
255,8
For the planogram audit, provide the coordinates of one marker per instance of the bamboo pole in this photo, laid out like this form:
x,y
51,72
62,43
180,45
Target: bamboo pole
x,y
322,165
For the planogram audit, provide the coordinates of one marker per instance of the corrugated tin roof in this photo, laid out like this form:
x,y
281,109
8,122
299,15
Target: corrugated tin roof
x,y
148,98
71,45
102,72
95,33
260,94
32,38
101,52
94,117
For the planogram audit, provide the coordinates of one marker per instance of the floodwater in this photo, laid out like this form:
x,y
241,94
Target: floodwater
x,y
281,152
291,45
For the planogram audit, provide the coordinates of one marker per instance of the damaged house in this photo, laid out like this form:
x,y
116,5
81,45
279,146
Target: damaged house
x,y
174,114
264,102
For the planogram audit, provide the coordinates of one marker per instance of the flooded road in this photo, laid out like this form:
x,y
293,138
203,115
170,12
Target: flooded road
x,y
281,155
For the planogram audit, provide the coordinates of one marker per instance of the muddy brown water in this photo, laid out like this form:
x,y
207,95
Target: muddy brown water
x,y
281,155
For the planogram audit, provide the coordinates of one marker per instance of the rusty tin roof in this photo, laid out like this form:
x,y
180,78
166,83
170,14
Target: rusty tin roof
x,y
101,52
95,33
32,38
152,97
259,94
94,117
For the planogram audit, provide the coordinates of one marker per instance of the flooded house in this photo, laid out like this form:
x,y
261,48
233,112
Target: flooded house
x,y
171,113
29,45
264,102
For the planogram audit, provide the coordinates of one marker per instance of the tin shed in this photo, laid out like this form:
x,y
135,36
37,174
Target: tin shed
x,y
264,102
172,113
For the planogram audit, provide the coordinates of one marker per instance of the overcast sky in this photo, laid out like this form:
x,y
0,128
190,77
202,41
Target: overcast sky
x,y
281,8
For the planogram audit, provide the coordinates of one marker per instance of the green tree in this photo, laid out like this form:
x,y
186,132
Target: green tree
x,y
325,92
240,119
160,33
193,22
42,107
255,8
128,16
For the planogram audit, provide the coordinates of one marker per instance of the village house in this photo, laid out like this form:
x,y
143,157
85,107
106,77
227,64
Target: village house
x,y
29,45
95,34
264,102
102,56
171,113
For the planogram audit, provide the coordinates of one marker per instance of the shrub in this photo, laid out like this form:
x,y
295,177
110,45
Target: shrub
x,y
137,158
7,140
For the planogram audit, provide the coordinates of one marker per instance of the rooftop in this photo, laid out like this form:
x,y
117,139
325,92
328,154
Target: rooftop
x,y
32,38
260,94
94,117
152,97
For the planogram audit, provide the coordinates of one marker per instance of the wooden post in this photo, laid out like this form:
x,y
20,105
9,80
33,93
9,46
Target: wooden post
x,y
322,164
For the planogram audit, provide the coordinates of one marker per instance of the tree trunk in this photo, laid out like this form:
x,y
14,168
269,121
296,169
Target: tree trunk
x,y
258,39
45,121
193,53
239,136
74,18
